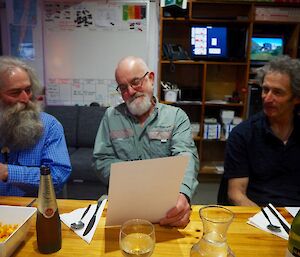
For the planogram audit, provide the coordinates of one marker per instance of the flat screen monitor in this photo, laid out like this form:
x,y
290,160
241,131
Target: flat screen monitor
x,y
265,48
209,42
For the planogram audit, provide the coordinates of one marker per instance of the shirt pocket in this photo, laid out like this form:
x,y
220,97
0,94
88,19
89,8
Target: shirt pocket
x,y
160,143
123,144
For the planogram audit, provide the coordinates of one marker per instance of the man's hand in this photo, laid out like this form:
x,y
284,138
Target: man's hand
x,y
178,216
3,172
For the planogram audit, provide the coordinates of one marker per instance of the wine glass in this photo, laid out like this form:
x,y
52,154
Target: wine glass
x,y
137,238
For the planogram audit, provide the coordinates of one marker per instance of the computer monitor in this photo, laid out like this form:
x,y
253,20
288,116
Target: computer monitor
x,y
209,42
264,48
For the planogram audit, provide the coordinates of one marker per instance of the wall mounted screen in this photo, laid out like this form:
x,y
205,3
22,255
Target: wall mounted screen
x,y
209,42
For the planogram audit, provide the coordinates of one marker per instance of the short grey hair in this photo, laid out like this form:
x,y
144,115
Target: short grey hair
x,y
8,63
283,64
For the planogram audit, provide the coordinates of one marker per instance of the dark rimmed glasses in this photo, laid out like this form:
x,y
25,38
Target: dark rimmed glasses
x,y
135,83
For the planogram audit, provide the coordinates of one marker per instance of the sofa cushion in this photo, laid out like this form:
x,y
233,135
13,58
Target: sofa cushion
x,y
81,161
85,190
88,123
67,116
71,150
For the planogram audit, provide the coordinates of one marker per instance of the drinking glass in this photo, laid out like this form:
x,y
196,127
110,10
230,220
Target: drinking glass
x,y
137,238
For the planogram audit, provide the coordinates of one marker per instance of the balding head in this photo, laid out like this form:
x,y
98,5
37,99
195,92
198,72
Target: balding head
x,y
130,64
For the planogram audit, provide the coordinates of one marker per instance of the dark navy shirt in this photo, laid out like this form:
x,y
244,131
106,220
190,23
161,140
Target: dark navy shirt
x,y
273,168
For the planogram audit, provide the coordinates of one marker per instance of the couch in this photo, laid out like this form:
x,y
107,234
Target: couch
x,y
80,126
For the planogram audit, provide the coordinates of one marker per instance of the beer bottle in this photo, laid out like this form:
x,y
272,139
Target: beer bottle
x,y
48,226
294,238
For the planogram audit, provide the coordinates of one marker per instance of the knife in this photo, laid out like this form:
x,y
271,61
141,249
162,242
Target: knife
x,y
285,227
93,219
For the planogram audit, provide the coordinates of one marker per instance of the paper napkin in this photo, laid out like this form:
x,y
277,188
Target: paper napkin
x,y
75,215
293,210
261,222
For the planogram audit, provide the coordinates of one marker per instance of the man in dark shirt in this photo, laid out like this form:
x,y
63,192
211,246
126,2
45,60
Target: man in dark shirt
x,y
262,161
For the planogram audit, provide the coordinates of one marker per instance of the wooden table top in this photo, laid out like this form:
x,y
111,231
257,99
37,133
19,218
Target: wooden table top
x,y
244,240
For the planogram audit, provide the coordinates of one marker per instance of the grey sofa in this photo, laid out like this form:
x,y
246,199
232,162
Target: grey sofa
x,y
80,126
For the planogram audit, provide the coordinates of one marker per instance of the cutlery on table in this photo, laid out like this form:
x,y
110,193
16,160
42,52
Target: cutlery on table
x,y
93,219
271,227
31,203
79,224
285,227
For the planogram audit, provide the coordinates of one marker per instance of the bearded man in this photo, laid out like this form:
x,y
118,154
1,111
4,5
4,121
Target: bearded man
x,y
29,138
142,128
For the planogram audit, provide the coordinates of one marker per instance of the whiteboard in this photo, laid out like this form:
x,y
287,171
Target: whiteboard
x,y
83,42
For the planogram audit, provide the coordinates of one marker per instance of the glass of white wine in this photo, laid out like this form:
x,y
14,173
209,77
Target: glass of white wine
x,y
137,238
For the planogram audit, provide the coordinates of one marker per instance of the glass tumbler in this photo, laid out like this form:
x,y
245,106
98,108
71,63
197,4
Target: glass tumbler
x,y
137,238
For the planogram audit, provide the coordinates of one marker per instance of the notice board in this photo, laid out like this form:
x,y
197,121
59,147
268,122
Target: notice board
x,y
83,42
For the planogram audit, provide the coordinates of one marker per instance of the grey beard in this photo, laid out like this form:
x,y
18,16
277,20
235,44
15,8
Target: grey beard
x,y
139,109
20,125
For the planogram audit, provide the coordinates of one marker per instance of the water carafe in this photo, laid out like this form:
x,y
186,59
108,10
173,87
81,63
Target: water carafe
x,y
216,220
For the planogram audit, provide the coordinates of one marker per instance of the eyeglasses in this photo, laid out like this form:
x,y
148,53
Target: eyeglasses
x,y
17,91
134,83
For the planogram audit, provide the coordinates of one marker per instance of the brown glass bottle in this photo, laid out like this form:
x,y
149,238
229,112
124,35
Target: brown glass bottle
x,y
48,225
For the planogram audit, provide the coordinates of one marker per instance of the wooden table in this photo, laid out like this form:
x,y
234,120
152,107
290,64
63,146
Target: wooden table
x,y
244,240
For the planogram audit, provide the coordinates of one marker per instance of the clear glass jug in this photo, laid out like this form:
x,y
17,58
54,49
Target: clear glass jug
x,y
216,220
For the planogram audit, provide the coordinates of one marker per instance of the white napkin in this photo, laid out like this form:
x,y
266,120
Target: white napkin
x,y
260,221
293,210
75,215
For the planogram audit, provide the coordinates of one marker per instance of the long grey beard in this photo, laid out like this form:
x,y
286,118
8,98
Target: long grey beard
x,y
20,125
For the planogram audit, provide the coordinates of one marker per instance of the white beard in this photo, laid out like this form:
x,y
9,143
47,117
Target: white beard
x,y
139,104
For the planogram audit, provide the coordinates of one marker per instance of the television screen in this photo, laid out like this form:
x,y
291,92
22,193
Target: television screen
x,y
265,48
209,42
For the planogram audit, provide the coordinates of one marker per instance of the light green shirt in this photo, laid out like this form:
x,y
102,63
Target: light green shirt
x,y
166,132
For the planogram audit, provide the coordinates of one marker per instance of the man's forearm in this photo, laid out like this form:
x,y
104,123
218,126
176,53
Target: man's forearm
x,y
102,168
240,199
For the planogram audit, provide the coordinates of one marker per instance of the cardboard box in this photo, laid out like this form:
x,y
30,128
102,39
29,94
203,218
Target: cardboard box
x,y
212,131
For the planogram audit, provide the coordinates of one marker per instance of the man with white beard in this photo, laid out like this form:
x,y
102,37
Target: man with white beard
x,y
29,138
142,128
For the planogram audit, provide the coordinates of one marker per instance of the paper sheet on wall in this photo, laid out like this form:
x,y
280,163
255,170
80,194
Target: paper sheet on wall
x,y
82,92
144,189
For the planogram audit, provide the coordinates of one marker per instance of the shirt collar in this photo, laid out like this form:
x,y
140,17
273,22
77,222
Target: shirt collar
x,y
268,131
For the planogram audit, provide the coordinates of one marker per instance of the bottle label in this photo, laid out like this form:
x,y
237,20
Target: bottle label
x,y
295,253
48,213
47,201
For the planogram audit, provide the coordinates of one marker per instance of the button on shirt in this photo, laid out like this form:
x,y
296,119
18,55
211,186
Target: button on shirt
x,y
273,167
24,166
166,132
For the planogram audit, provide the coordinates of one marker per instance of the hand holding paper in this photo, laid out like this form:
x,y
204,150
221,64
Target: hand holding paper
x,y
145,189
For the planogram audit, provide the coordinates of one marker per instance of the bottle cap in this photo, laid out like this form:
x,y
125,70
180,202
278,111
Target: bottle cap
x,y
45,170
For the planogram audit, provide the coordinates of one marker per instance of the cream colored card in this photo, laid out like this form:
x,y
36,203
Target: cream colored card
x,y
144,189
